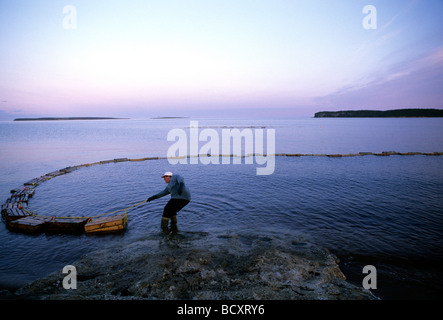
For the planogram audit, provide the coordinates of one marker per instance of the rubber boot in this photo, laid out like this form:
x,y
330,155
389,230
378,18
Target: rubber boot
x,y
164,224
174,224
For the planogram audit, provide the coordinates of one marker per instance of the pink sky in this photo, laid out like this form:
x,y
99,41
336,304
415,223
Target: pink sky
x,y
150,58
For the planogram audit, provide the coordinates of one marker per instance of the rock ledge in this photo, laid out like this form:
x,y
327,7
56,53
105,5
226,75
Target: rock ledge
x,y
186,267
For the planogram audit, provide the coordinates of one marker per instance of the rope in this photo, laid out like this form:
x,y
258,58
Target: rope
x,y
89,218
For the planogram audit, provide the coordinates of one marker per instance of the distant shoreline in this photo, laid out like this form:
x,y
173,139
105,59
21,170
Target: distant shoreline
x,y
397,113
162,118
66,118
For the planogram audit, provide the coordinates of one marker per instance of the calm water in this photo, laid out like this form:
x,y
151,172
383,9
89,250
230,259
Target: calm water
x,y
384,211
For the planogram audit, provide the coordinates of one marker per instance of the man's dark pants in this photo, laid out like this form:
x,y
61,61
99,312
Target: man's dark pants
x,y
170,212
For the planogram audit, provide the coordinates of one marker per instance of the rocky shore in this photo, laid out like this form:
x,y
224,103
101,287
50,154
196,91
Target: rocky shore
x,y
190,266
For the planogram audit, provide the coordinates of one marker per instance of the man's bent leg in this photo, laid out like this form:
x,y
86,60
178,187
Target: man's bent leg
x,y
174,224
170,212
164,224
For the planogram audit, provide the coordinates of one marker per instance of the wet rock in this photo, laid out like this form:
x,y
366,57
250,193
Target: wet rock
x,y
195,267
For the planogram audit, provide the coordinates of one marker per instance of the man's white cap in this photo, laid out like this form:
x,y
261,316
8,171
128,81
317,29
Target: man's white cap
x,y
168,173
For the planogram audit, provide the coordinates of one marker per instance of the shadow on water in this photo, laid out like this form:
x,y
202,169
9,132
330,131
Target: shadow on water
x,y
178,238
397,278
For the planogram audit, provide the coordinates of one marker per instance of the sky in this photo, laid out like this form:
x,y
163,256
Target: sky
x,y
279,58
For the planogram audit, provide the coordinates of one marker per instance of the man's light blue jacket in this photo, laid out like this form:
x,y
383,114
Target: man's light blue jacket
x,y
177,188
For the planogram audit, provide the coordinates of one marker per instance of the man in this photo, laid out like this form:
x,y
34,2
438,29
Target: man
x,y
180,197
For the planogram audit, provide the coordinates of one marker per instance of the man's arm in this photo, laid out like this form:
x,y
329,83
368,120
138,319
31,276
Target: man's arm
x,y
159,195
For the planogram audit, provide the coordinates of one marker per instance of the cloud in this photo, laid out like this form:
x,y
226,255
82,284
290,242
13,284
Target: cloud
x,y
416,82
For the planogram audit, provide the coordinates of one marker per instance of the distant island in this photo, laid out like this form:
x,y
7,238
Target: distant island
x,y
162,118
66,118
398,113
